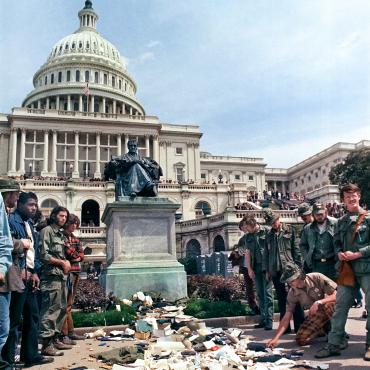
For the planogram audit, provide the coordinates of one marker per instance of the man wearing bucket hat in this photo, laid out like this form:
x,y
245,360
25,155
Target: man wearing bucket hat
x,y
314,292
6,247
317,243
281,249
305,213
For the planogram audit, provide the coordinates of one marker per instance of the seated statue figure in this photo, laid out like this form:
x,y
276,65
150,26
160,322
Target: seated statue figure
x,y
134,175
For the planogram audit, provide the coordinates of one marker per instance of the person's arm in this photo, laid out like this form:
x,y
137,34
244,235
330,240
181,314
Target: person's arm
x,y
283,326
248,264
328,299
6,244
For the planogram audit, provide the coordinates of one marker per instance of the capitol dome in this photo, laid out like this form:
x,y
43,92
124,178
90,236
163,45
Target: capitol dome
x,y
85,72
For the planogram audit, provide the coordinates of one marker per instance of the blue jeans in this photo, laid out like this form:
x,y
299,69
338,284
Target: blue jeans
x,y
4,318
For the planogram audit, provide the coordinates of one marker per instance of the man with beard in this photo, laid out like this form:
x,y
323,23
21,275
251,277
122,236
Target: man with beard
x,y
317,243
53,283
23,305
352,245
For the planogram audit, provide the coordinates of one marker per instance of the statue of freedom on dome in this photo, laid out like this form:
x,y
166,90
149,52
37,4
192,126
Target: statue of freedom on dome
x,y
134,175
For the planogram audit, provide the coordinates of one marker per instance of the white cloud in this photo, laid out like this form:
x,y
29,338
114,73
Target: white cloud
x,y
142,58
153,43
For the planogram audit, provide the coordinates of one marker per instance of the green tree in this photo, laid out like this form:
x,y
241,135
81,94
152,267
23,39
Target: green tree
x,y
355,169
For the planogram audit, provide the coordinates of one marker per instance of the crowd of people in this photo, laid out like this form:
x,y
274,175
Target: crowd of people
x,y
321,271
40,264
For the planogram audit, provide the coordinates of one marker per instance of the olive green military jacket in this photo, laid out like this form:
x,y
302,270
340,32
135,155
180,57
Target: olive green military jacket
x,y
256,244
311,239
52,245
281,248
343,240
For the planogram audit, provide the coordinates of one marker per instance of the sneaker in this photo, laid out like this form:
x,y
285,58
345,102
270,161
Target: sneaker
x,y
74,336
60,345
68,341
367,354
50,350
327,351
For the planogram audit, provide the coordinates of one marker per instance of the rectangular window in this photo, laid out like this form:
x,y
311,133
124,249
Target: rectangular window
x,y
237,177
179,174
179,151
96,77
77,76
59,76
120,84
250,177
113,81
46,80
203,176
52,78
68,76
87,76
105,79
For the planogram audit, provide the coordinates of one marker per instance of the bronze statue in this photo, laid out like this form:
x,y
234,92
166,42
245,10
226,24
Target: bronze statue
x,y
134,175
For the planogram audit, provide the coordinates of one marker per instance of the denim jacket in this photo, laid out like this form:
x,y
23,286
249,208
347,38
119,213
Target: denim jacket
x,y
18,232
6,244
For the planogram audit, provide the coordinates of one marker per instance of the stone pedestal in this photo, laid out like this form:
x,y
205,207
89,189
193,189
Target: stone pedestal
x,y
141,248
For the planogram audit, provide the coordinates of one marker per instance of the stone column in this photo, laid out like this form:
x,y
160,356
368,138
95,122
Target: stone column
x,y
196,162
53,171
283,187
126,142
92,103
47,103
130,111
22,152
69,102
147,148
114,106
45,168
274,186
13,155
119,144
103,106
57,107
38,104
123,108
80,104
155,148
97,173
168,146
76,173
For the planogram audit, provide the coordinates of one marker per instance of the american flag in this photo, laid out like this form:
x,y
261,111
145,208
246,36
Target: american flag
x,y
86,90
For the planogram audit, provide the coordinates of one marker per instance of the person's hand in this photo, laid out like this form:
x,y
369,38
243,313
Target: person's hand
x,y
350,256
251,274
2,278
313,309
272,343
35,281
66,266
26,243
24,276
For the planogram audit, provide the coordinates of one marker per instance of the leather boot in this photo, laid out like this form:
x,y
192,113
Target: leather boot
x,y
48,348
58,344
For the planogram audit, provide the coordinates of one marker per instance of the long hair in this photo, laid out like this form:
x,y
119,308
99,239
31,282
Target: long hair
x,y
54,213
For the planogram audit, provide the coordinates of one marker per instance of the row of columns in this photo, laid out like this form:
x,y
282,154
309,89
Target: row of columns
x,y
53,169
113,108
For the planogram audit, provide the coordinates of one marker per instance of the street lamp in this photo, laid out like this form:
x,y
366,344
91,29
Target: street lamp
x,y
30,169
220,177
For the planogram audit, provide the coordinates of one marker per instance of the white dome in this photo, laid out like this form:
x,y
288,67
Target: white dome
x,y
86,42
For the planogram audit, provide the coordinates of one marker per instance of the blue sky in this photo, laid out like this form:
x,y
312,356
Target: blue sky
x,y
274,79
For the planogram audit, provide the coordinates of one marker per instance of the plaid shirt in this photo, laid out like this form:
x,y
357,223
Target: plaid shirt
x,y
74,250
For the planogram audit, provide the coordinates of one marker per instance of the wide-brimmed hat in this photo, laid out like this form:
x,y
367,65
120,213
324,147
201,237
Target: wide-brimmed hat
x,y
8,184
270,216
291,272
304,209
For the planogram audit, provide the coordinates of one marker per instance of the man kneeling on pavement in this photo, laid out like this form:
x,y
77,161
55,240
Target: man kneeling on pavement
x,y
314,292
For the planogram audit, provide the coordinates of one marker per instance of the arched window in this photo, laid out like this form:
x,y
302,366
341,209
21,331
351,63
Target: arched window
x,y
47,205
193,248
77,76
96,77
87,76
52,78
59,76
90,213
202,208
113,81
46,80
68,76
218,244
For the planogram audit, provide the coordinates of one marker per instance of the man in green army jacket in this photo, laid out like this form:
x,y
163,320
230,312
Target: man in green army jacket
x,y
53,283
352,244
281,249
256,265
317,243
